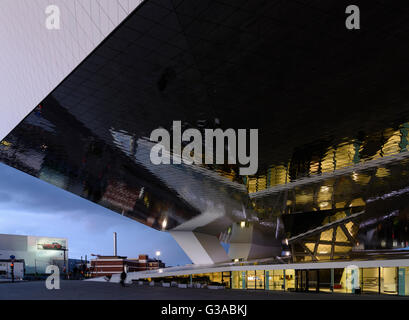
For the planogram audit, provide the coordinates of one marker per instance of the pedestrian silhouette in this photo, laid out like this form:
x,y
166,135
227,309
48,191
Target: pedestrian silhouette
x,y
123,277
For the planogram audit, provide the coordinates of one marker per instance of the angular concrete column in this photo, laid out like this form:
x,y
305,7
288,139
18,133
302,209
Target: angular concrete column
x,y
201,248
251,242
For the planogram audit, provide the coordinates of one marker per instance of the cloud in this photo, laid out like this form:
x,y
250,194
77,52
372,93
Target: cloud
x,y
5,197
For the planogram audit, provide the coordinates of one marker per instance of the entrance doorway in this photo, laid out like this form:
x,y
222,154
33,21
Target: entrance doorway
x,y
308,280
255,279
301,280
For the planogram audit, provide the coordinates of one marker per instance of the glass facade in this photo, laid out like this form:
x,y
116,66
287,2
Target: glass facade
x,y
332,179
255,279
389,280
237,280
370,280
335,157
403,284
275,279
353,280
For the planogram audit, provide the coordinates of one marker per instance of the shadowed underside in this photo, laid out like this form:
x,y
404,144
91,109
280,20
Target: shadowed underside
x,y
330,105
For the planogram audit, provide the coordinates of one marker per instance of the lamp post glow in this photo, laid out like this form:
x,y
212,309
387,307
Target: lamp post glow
x,y
157,253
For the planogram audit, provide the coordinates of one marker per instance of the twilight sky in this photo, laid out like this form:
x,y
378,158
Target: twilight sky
x,y
29,206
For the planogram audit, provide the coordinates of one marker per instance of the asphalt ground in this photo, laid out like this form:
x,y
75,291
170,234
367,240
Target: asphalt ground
x,y
88,290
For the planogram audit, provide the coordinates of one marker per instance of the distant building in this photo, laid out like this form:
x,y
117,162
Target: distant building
x,y
35,252
109,265
77,263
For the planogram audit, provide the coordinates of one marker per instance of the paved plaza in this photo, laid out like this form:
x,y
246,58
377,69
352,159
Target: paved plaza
x,y
85,290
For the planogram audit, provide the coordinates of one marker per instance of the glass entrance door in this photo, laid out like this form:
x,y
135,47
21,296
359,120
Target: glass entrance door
x,y
226,277
260,279
313,278
301,280
370,280
389,280
255,279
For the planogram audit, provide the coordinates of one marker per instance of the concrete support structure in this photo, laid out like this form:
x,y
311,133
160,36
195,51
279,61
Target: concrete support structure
x,y
249,242
201,248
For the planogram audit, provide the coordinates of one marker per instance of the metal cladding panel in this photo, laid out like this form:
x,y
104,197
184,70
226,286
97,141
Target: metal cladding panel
x,y
34,59
330,105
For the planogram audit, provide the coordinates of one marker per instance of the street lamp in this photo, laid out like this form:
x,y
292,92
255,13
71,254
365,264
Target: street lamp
x,y
157,254
65,260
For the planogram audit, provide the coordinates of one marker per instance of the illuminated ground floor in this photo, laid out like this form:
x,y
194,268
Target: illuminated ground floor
x,y
356,277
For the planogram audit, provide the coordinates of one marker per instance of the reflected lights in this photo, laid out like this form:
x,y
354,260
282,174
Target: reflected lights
x,y
164,223
324,189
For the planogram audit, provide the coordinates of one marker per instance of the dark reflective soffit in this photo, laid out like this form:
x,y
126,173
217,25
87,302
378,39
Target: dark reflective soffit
x,y
323,98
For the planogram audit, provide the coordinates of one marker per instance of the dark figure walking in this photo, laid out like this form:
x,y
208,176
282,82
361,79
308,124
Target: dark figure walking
x,y
123,277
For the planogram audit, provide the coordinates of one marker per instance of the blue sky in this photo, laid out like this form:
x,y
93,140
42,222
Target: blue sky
x,y
29,206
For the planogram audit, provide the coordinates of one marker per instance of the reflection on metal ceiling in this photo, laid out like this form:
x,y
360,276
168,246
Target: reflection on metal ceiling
x,y
330,105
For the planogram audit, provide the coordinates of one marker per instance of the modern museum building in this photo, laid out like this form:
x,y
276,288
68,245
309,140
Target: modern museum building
x,y
289,133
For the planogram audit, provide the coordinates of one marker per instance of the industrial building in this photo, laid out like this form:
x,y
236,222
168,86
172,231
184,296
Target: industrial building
x,y
108,265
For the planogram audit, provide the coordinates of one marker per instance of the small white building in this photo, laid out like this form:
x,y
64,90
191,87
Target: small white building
x,y
36,252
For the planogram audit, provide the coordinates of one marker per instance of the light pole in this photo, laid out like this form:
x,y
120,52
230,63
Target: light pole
x,y
65,261
157,253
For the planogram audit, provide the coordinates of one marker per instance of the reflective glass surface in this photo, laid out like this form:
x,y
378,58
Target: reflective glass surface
x,y
331,108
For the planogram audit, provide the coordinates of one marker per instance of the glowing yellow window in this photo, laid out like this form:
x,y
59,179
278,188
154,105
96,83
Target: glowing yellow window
x,y
310,246
340,237
342,249
326,235
350,227
324,249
